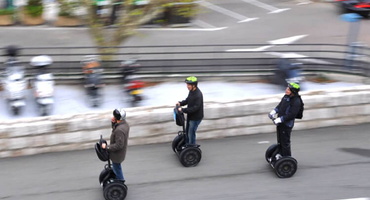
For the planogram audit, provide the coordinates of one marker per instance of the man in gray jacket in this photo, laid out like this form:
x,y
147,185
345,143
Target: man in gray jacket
x,y
118,142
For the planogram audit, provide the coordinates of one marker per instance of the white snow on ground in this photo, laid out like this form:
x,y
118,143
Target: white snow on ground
x,y
71,99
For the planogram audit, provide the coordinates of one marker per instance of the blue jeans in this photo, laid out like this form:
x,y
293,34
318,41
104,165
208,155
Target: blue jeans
x,y
117,169
191,129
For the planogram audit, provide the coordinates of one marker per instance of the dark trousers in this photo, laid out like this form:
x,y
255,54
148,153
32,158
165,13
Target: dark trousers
x,y
283,138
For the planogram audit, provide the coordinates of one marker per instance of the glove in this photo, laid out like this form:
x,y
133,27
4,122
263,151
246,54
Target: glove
x,y
271,114
277,121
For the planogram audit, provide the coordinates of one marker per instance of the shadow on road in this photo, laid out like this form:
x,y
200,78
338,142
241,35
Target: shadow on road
x,y
357,151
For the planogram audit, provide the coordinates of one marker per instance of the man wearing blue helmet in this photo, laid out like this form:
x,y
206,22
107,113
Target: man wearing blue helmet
x,y
287,111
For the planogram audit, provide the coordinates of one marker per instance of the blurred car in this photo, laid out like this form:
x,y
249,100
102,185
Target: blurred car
x,y
361,7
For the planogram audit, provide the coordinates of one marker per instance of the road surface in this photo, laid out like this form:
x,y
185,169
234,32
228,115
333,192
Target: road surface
x,y
333,163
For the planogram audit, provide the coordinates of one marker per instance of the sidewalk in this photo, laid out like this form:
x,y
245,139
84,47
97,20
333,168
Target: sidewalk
x,y
72,99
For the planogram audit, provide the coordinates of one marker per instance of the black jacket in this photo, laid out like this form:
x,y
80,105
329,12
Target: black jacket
x,y
288,109
195,105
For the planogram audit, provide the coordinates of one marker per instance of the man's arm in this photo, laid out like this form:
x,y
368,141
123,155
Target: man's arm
x,y
119,144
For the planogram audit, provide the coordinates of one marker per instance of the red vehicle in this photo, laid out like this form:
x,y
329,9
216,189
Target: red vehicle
x,y
132,86
361,7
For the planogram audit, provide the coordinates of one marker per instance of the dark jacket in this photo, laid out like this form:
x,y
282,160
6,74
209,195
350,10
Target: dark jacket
x,y
195,105
118,142
288,109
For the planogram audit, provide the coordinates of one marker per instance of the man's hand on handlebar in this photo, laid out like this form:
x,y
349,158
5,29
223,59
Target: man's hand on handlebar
x,y
178,106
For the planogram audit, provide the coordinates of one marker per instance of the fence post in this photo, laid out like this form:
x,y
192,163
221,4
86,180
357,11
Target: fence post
x,y
354,20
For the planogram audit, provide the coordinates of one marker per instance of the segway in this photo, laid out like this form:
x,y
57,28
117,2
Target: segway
x,y
188,154
113,189
284,166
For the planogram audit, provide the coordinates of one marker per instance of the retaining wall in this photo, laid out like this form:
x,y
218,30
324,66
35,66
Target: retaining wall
x,y
156,125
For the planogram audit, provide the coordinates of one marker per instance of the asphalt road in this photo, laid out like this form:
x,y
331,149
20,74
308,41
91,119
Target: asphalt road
x,y
333,163
222,24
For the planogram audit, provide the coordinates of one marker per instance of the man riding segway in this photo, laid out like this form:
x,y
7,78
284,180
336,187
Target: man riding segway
x,y
185,143
283,116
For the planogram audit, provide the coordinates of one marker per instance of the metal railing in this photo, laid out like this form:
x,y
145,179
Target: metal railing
x,y
202,60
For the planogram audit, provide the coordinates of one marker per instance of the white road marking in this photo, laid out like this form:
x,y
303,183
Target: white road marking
x,y
264,142
282,41
266,6
202,24
229,13
299,57
361,198
182,29
287,40
263,48
304,2
247,20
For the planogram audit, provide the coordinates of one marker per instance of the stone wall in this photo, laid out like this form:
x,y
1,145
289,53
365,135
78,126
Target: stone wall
x,y
156,125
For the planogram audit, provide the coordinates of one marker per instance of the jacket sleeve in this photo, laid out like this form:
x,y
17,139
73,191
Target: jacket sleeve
x,y
119,144
293,111
184,102
195,107
277,108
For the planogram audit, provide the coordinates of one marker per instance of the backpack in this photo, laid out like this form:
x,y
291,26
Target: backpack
x,y
178,117
301,109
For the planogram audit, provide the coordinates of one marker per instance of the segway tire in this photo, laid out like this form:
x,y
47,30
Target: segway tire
x,y
190,156
176,146
285,167
115,191
270,152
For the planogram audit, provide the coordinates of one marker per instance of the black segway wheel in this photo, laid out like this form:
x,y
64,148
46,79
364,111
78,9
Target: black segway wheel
x,y
271,151
177,143
190,156
285,167
115,191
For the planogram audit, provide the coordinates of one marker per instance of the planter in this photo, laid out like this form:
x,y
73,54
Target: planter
x,y
178,19
180,13
68,21
30,20
6,20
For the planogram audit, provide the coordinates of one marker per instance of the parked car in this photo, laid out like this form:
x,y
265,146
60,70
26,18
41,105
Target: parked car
x,y
361,7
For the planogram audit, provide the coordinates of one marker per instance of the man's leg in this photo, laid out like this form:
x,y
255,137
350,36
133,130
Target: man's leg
x,y
187,140
285,140
117,169
192,129
279,132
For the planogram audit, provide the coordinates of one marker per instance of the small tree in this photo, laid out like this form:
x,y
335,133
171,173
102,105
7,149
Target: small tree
x,y
129,17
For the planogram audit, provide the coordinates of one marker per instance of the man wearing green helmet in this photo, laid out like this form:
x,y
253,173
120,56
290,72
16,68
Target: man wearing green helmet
x,y
194,109
287,111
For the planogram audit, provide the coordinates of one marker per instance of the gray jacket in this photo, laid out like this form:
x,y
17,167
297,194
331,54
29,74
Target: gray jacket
x,y
118,142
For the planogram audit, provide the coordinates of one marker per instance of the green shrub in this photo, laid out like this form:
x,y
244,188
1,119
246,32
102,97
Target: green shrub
x,y
34,3
7,11
184,8
34,8
68,8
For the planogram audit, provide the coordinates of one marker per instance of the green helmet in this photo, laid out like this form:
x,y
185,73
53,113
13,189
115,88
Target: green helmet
x,y
191,80
294,87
